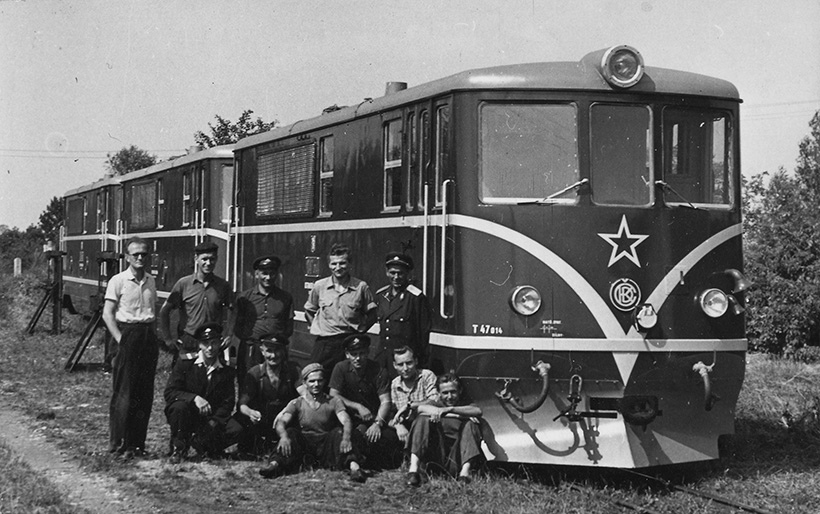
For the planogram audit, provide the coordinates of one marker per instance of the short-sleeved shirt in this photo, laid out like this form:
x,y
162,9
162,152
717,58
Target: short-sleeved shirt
x,y
364,387
259,314
136,299
423,389
319,420
200,304
338,313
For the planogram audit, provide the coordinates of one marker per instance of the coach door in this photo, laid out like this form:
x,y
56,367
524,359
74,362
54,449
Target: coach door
x,y
216,215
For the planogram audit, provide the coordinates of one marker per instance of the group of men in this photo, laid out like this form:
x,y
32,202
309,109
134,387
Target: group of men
x,y
340,411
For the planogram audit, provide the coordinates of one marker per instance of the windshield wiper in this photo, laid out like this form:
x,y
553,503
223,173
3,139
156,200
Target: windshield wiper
x,y
556,194
666,187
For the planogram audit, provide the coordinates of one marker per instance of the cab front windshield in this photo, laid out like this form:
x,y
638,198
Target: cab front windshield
x,y
529,154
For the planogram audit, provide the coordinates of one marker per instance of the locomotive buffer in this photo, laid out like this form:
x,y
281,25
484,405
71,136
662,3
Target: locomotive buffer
x,y
110,262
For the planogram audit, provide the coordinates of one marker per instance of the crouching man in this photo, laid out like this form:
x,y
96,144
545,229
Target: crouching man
x,y
199,399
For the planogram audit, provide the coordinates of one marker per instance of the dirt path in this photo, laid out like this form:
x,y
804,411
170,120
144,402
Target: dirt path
x,y
93,492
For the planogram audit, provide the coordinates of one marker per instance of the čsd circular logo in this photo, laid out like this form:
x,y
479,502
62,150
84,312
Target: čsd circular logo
x,y
624,294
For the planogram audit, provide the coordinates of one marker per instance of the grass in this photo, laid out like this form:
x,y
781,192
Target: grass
x,y
765,464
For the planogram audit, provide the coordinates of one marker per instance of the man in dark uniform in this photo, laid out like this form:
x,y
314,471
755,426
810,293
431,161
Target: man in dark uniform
x,y
264,309
403,313
199,399
364,388
201,298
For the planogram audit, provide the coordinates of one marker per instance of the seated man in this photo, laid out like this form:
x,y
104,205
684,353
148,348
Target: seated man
x,y
318,435
446,432
266,390
412,388
199,399
362,385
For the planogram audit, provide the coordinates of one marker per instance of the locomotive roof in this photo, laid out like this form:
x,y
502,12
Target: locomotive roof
x,y
217,152
556,76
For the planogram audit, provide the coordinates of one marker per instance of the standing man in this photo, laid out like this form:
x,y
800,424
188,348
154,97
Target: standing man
x,y
403,313
338,306
262,310
201,298
130,300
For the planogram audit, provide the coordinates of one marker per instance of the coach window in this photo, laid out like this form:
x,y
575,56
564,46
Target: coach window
x,y
392,165
326,176
442,146
161,208
85,215
74,216
425,155
143,205
529,152
621,154
187,198
698,160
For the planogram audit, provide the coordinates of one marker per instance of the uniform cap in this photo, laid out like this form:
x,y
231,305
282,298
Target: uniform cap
x,y
356,342
399,259
310,368
212,330
206,247
272,341
268,262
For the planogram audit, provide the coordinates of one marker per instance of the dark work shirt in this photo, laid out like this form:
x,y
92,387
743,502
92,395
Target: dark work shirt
x,y
259,394
259,314
364,388
200,304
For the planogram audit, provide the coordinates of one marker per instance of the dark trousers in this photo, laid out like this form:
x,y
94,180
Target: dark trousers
x,y
451,443
322,450
207,434
133,371
386,453
328,351
256,438
248,356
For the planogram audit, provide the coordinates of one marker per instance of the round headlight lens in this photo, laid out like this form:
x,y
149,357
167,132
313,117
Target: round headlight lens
x,y
713,302
526,300
622,66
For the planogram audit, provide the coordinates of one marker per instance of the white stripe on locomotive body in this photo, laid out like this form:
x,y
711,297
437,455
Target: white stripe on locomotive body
x,y
91,237
104,283
186,232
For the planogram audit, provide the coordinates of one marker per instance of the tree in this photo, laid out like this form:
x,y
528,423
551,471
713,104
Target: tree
x,y
782,245
52,218
225,132
28,245
129,159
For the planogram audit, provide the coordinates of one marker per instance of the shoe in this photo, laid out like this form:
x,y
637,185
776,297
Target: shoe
x,y
128,455
272,471
464,479
357,476
414,479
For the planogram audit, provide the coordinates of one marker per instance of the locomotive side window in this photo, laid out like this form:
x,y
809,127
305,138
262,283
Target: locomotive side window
x,y
442,132
285,182
621,154
414,167
326,176
528,152
698,157
143,205
74,216
392,165
99,214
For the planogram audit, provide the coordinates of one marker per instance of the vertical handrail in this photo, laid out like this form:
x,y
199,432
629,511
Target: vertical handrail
x,y
443,247
426,240
236,248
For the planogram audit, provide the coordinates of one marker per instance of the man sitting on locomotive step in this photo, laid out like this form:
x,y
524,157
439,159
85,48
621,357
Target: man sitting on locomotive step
x,y
199,400
362,385
446,432
412,388
201,298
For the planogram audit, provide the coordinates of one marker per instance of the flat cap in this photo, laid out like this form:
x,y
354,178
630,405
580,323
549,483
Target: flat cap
x,y
267,262
398,259
311,368
212,330
356,342
206,247
273,340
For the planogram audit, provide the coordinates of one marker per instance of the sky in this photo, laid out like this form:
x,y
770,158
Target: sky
x,y
81,79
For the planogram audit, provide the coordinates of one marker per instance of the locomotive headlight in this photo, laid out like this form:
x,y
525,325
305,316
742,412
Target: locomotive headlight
x,y
713,302
525,300
622,66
